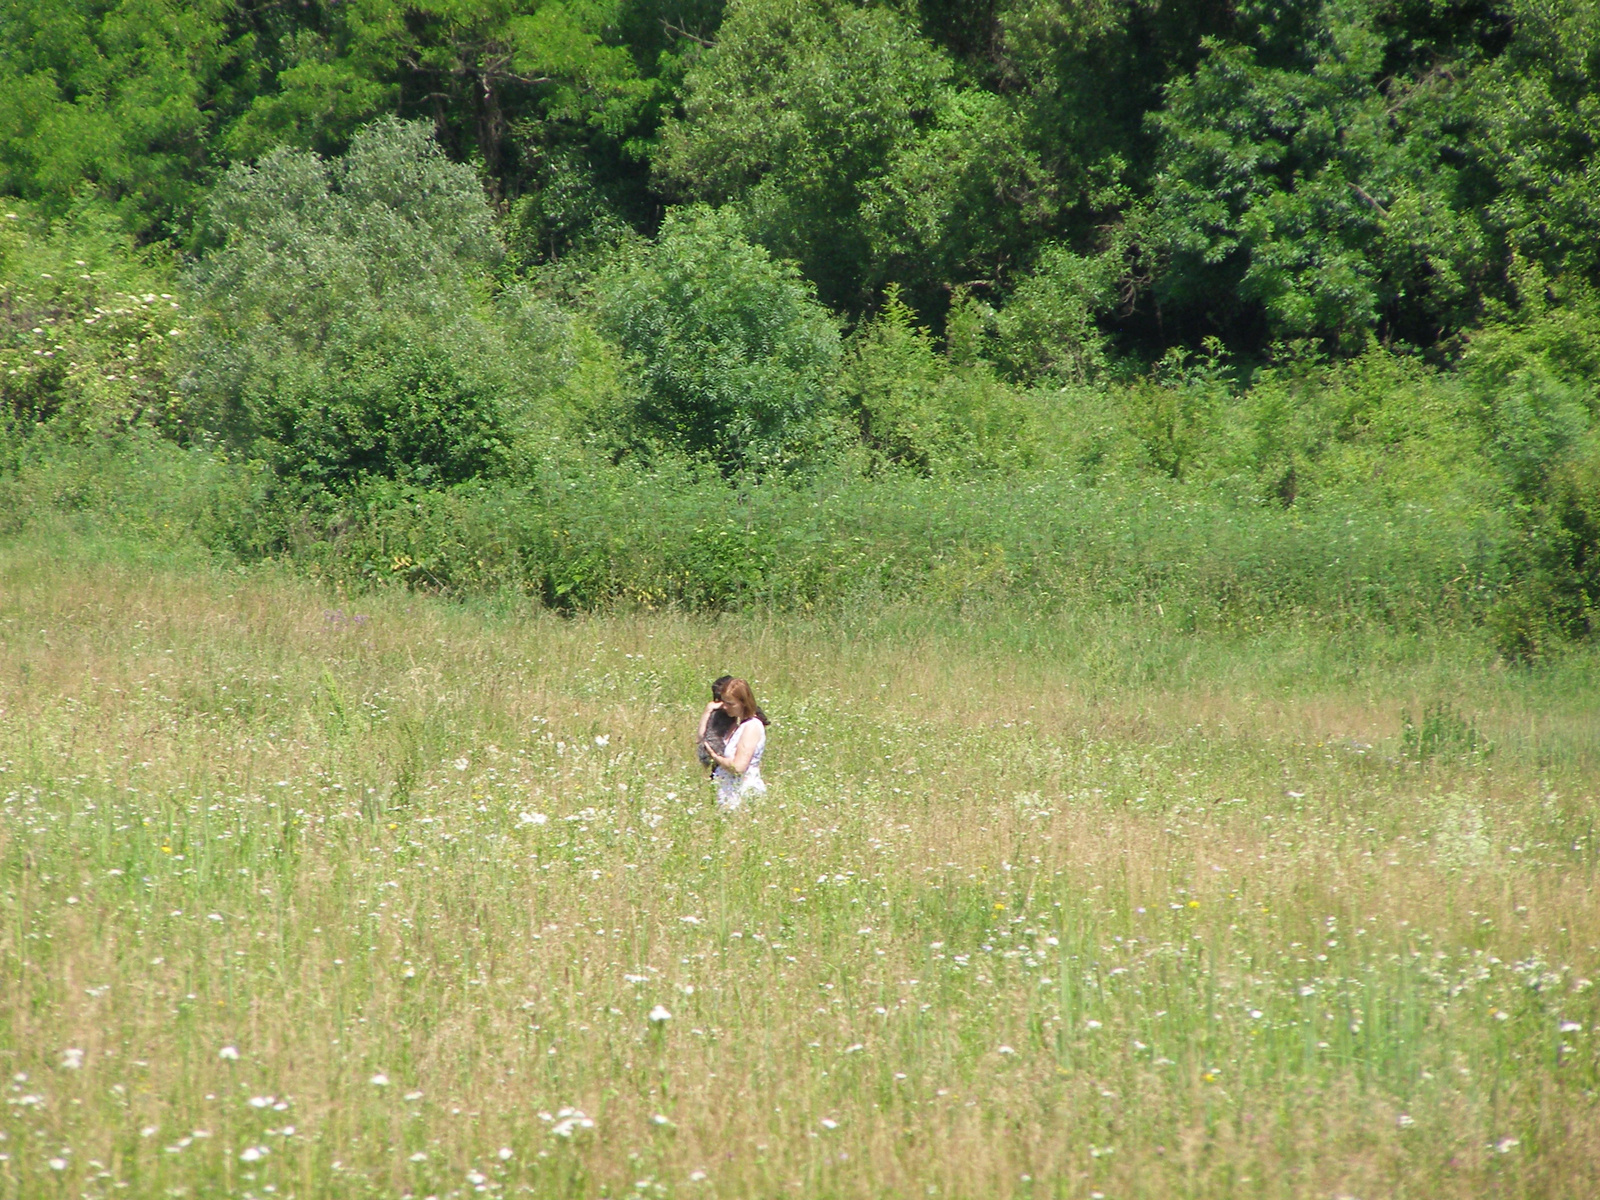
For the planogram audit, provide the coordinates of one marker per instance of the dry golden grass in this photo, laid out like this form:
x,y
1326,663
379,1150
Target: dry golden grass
x,y
1055,910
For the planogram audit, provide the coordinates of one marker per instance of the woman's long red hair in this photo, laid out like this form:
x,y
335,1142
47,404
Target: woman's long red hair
x,y
736,695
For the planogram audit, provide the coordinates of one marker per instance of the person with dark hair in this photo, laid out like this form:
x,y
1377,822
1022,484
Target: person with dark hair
x,y
715,724
737,770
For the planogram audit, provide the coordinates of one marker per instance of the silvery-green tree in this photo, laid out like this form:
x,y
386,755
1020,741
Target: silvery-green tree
x,y
346,329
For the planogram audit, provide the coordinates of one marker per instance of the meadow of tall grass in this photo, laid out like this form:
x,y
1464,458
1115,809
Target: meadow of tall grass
x,y
322,894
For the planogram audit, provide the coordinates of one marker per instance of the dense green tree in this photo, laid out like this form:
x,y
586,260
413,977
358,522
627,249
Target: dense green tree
x,y
960,203
734,354
322,72
510,83
345,331
116,97
1166,170
1305,186
1536,133
145,101
795,115
873,151
1082,78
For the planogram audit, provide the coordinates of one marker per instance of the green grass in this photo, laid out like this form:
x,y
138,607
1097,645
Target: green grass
x,y
1056,905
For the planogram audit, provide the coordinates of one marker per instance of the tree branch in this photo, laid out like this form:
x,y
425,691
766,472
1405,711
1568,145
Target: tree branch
x,y
668,27
1360,191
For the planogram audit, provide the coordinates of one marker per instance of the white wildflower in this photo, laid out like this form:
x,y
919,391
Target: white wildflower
x,y
659,1014
379,1080
71,1058
231,1053
568,1120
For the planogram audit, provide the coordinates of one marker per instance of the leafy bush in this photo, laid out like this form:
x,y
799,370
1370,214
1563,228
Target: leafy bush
x,y
734,355
916,409
137,488
1555,564
346,327
1531,374
1383,426
88,327
1047,330
581,534
1173,412
1442,733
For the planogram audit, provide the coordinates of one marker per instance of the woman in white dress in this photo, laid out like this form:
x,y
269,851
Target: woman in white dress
x,y
738,763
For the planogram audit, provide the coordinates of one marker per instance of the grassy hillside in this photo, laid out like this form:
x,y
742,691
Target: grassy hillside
x,y
353,896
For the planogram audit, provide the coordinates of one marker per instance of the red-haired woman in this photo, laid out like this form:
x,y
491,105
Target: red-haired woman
x,y
738,763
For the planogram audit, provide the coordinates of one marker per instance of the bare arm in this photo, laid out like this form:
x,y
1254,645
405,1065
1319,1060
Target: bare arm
x,y
739,763
705,719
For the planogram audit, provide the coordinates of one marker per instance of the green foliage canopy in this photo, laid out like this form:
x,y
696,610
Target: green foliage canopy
x,y
345,327
118,99
795,114
1311,184
734,353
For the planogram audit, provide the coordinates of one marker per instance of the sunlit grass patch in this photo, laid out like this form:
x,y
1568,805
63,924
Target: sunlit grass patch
x,y
392,897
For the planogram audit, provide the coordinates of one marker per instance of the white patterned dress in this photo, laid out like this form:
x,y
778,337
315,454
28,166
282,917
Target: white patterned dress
x,y
733,790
